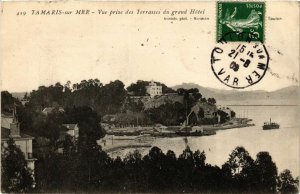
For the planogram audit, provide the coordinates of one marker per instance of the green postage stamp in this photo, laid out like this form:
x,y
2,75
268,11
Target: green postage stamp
x,y
241,17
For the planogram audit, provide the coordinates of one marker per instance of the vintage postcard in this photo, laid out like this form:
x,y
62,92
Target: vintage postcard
x,y
149,96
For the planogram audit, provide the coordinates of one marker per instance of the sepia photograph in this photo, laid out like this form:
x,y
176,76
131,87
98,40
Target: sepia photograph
x,y
150,96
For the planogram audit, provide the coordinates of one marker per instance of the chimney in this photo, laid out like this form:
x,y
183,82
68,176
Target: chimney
x,y
14,129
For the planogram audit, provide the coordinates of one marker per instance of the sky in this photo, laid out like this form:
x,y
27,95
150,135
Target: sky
x,y
42,50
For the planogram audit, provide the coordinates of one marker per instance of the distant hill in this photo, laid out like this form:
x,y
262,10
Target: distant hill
x,y
18,95
284,96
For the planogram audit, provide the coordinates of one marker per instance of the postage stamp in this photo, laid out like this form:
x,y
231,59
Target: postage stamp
x,y
240,17
239,65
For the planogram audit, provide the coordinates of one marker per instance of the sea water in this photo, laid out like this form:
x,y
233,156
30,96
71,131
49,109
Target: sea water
x,y
282,144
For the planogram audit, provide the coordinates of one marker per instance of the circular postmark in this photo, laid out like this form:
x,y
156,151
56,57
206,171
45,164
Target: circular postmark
x,y
242,63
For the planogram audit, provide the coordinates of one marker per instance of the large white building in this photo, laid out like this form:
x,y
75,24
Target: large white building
x,y
153,89
10,128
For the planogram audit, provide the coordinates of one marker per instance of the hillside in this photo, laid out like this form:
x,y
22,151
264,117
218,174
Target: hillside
x,y
284,96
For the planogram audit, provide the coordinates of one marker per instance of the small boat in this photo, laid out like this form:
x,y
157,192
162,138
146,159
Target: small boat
x,y
271,125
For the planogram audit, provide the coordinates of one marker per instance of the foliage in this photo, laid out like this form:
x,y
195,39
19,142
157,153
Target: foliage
x,y
112,97
15,175
232,114
84,166
191,96
92,170
132,118
7,102
82,160
239,161
138,88
286,182
167,114
105,99
211,100
133,106
266,173
175,113
108,99
245,174
223,116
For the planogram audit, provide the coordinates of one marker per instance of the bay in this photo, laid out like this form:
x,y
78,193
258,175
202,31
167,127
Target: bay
x,y
282,144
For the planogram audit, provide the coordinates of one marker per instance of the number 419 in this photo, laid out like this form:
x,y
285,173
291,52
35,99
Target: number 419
x,y
21,13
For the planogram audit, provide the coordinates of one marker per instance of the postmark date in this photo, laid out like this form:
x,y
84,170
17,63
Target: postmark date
x,y
239,65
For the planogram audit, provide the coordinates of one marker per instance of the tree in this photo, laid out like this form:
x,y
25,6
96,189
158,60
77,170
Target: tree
x,y
131,105
223,116
211,100
26,96
7,101
195,93
69,146
87,93
112,97
134,172
138,88
46,97
203,100
286,182
171,170
83,164
15,175
167,114
266,173
239,170
154,162
190,98
199,158
239,160
232,114
91,159
166,89
186,166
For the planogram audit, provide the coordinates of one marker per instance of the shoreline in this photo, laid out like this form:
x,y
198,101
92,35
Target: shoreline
x,y
174,131
138,139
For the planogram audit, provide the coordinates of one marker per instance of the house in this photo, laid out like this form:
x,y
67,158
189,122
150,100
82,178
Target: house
x,y
153,89
48,110
72,130
10,128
